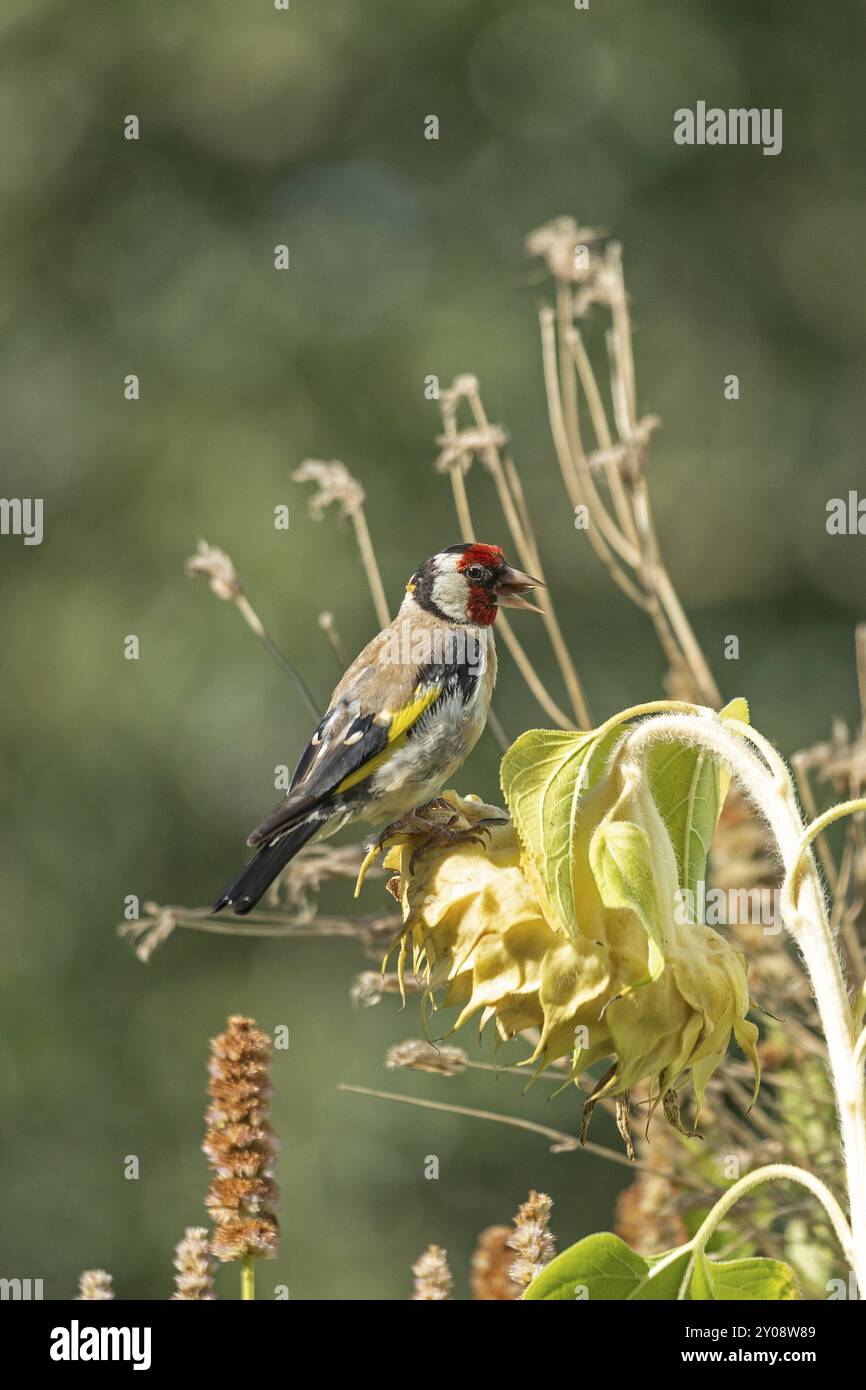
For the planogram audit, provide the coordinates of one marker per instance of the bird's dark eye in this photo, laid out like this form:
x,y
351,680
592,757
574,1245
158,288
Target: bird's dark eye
x,y
476,573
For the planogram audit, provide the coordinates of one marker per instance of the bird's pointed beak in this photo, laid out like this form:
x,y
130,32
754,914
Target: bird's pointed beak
x,y
510,587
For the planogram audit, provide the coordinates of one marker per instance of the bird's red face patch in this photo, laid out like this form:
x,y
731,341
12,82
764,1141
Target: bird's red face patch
x,y
489,555
481,605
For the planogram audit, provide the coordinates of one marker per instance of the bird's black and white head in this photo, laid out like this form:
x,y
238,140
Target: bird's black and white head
x,y
468,583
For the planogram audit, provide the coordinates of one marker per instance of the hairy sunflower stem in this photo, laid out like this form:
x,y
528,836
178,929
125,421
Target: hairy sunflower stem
x,y
773,1172
805,917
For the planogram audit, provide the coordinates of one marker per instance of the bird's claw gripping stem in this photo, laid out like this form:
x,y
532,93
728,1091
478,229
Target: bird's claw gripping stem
x,y
435,833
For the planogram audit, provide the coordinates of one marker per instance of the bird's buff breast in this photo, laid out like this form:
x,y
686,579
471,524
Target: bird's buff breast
x,y
418,770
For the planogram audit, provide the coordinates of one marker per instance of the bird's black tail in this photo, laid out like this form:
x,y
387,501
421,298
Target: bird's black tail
x,y
257,876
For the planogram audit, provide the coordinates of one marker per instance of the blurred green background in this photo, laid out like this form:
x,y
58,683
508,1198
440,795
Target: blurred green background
x,y
156,257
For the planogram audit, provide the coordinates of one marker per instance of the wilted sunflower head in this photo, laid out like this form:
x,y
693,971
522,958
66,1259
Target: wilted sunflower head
x,y
577,931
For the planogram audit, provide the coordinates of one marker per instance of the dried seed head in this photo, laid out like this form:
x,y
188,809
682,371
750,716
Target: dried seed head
x,y
531,1239
491,1266
241,1144
218,568
459,449
95,1284
192,1261
562,244
462,388
335,484
371,986
368,989
150,931
433,1279
423,1056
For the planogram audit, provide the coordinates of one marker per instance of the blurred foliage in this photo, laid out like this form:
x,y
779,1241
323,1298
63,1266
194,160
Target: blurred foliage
x,y
156,257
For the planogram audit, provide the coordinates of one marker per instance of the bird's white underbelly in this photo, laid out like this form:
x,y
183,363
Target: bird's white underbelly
x,y
418,770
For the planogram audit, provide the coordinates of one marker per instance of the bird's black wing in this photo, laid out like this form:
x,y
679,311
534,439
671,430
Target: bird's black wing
x,y
346,748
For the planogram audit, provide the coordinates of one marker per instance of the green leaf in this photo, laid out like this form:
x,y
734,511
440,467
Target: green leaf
x,y
665,1275
597,1267
621,859
689,789
602,1267
544,774
737,708
685,787
753,1279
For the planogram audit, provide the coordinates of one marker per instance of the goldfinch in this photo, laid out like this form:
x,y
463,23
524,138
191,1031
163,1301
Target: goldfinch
x,y
404,717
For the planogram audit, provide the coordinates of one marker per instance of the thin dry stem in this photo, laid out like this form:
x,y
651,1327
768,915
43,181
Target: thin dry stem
x,y
631,538
371,568
604,441
560,1141
455,470
225,583
328,625
336,485
531,560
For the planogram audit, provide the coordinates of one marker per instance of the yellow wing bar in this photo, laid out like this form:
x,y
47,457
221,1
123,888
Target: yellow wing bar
x,y
399,727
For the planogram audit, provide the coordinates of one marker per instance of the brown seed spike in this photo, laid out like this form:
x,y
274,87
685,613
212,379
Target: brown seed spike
x,y
491,1267
241,1145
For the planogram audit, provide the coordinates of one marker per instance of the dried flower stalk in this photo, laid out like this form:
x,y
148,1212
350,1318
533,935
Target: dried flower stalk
x,y
95,1285
433,1279
626,541
241,1146
532,1240
492,1259
194,1267
336,485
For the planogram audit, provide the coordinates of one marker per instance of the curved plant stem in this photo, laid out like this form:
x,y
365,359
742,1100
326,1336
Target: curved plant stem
x,y
805,916
773,1172
818,825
